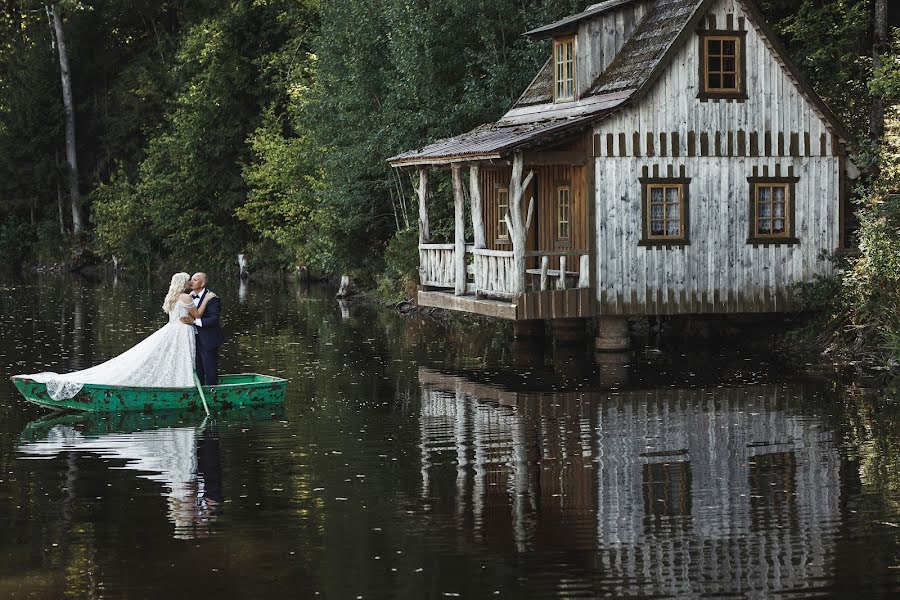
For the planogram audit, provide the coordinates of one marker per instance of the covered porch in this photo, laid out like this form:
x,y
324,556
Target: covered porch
x,y
528,256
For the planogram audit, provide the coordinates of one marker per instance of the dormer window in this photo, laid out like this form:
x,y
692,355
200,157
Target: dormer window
x,y
721,71
564,69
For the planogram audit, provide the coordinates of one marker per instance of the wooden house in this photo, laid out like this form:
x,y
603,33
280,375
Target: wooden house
x,y
667,158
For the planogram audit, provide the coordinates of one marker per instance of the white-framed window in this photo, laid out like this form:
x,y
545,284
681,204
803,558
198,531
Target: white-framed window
x,y
502,211
563,213
564,69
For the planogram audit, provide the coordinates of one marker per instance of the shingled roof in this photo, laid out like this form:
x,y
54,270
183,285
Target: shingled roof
x,y
535,119
636,63
495,140
571,22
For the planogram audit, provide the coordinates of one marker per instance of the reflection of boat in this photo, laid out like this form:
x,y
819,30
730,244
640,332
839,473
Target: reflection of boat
x,y
234,391
100,423
172,448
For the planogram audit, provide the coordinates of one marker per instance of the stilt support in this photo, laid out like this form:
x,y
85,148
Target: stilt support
x,y
612,334
569,331
532,328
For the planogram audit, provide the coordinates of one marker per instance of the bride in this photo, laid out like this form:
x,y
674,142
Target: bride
x,y
164,359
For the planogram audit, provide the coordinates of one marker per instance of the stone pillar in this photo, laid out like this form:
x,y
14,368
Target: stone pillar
x,y
569,331
531,328
612,334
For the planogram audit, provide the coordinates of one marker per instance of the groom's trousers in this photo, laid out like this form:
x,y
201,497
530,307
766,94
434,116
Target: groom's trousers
x,y
208,365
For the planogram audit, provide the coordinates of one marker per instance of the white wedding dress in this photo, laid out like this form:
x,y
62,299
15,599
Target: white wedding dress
x,y
164,359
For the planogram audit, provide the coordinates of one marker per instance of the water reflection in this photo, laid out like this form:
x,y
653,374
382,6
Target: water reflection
x,y
669,492
184,459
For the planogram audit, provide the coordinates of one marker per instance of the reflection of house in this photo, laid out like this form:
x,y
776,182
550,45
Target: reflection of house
x,y
677,162
672,492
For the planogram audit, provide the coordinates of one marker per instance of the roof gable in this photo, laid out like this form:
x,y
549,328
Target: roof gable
x,y
657,37
652,41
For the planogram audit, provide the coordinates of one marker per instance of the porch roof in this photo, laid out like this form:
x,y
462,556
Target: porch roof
x,y
518,129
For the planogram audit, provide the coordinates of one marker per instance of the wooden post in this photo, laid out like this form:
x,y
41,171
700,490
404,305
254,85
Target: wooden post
x,y
424,233
545,264
584,272
517,225
477,214
459,254
561,285
589,267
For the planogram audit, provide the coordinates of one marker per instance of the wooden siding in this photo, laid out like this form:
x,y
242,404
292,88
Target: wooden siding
x,y
719,143
718,271
600,38
543,233
775,120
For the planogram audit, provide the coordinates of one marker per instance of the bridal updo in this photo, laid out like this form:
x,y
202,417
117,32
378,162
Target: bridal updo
x,y
176,289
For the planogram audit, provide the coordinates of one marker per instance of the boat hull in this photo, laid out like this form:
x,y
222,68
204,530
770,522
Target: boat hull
x,y
233,391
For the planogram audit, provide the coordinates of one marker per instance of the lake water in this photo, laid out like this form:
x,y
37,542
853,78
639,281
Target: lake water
x,y
425,458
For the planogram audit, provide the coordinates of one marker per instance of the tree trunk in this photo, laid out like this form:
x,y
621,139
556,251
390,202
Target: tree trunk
x,y
459,239
69,105
879,47
346,287
59,202
477,215
517,224
424,233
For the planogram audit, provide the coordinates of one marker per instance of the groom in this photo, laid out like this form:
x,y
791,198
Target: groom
x,y
209,335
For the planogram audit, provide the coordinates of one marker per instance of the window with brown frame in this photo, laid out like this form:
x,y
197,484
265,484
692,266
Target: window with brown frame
x,y
722,72
664,211
772,210
564,69
563,212
502,210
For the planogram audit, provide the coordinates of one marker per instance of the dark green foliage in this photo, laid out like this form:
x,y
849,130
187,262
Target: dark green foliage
x,y
396,75
830,41
858,309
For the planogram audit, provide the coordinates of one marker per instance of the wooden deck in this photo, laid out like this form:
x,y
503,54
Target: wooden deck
x,y
548,304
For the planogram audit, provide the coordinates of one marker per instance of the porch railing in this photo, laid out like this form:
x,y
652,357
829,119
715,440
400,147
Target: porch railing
x,y
544,278
495,272
437,264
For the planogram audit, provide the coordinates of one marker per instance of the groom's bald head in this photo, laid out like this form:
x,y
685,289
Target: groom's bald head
x,y
198,281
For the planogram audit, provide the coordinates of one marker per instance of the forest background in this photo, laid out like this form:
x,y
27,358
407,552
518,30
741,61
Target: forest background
x,y
208,128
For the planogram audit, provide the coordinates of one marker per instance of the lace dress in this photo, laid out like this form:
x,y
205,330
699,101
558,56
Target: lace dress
x,y
164,359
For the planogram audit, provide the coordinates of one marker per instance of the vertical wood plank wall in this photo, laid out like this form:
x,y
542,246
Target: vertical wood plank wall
x,y
543,233
600,39
718,143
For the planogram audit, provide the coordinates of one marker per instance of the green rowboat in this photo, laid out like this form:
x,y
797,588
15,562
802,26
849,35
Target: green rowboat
x,y
248,390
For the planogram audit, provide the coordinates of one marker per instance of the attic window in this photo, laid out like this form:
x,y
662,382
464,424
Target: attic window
x,y
564,69
722,73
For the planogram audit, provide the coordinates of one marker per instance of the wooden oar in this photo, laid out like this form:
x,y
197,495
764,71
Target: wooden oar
x,y
202,396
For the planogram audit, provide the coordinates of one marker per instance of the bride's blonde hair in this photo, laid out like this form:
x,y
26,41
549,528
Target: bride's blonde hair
x,y
176,289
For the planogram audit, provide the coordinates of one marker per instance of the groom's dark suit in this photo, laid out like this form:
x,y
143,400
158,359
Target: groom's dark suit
x,y
208,339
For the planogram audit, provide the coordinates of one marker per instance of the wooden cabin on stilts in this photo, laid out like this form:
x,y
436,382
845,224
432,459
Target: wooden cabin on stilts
x,y
667,159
